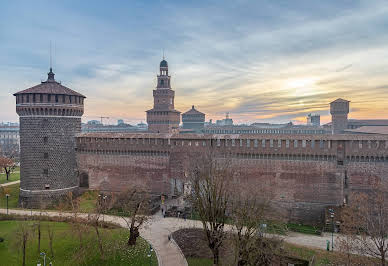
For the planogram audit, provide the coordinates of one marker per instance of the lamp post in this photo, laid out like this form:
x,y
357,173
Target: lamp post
x,y
104,208
102,201
7,196
331,211
149,253
42,254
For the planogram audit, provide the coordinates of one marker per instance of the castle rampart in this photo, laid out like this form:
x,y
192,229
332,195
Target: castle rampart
x,y
306,172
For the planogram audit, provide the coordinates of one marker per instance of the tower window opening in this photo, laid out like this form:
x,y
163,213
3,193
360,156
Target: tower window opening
x,y
41,98
56,98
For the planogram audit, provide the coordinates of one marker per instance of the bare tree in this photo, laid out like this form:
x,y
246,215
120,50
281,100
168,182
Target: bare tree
x,y
38,225
365,223
250,211
7,164
94,220
133,206
210,180
50,233
23,234
77,226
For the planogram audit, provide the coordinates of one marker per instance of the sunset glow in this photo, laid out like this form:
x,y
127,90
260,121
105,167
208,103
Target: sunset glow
x,y
280,62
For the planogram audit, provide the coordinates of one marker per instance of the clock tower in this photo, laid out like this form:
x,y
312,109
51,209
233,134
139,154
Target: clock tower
x,y
163,118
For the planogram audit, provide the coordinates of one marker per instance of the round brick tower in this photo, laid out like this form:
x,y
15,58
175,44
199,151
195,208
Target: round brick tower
x,y
50,117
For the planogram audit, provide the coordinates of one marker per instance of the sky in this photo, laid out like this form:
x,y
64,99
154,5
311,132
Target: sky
x,y
261,61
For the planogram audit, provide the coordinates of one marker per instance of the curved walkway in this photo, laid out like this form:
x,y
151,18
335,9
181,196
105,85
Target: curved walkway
x,y
157,230
10,183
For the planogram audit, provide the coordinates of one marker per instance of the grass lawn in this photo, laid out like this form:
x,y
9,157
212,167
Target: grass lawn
x,y
321,257
66,246
199,261
88,201
12,177
13,191
305,229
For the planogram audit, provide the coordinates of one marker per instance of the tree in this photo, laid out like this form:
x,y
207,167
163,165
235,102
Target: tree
x,y
7,164
94,220
50,233
133,206
37,225
250,211
210,180
76,224
22,236
365,223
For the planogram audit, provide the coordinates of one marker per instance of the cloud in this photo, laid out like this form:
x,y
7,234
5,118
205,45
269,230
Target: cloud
x,y
239,57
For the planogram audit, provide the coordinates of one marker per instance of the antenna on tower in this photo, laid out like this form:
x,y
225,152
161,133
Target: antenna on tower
x,y
163,53
51,58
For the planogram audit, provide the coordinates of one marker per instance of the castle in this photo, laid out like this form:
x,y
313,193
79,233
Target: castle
x,y
308,172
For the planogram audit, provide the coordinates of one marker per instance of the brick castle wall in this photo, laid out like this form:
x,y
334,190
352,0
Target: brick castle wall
x,y
306,173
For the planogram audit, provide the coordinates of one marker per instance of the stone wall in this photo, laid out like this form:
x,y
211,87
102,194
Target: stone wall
x,y
306,172
48,160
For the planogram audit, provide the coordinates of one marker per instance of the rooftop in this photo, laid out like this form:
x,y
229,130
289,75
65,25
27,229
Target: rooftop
x,y
340,100
381,130
50,86
193,111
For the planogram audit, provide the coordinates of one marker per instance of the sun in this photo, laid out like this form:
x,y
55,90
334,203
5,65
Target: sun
x,y
301,86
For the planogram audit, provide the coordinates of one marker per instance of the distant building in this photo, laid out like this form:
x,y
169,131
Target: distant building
x,y
340,123
270,125
225,122
9,138
142,126
193,119
94,122
376,130
120,122
244,129
313,120
339,110
88,128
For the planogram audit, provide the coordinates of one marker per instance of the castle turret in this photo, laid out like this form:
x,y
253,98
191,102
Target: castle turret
x,y
193,119
339,110
163,118
50,117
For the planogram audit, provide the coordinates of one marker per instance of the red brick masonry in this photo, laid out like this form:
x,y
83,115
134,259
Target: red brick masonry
x,y
307,172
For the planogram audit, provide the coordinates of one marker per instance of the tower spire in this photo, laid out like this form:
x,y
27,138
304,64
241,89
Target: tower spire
x,y
51,59
51,74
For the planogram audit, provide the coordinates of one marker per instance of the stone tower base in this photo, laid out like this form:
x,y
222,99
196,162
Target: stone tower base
x,y
42,199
